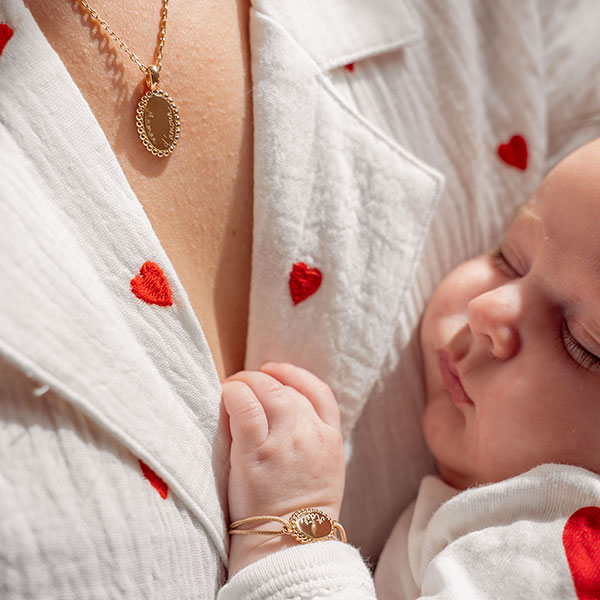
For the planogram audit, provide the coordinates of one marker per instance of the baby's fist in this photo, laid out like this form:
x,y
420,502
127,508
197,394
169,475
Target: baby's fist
x,y
287,449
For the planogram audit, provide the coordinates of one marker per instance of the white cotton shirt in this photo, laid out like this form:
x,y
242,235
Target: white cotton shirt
x,y
384,177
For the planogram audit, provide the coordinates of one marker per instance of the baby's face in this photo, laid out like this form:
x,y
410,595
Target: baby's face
x,y
511,342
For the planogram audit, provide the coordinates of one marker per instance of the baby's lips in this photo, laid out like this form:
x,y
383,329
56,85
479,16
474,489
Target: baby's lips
x,y
451,379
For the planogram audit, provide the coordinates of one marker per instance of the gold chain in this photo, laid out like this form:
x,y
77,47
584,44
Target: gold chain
x,y
235,524
162,33
157,118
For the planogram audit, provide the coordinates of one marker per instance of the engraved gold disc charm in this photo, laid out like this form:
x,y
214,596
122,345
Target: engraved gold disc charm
x,y
311,525
158,122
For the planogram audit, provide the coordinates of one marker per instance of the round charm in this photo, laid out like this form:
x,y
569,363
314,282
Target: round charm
x,y
311,525
157,121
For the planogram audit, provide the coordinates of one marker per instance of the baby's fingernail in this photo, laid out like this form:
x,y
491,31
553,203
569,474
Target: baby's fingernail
x,y
269,365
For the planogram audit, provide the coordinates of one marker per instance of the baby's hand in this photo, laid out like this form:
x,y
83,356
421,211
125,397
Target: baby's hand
x,y
286,451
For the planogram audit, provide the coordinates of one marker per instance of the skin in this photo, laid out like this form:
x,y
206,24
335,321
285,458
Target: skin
x,y
522,331
199,200
286,453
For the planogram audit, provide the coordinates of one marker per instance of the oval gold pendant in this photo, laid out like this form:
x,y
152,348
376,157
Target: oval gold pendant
x,y
158,123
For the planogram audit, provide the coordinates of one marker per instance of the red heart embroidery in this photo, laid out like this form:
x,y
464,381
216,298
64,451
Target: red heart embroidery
x,y
161,487
349,67
515,152
304,282
581,540
5,35
151,285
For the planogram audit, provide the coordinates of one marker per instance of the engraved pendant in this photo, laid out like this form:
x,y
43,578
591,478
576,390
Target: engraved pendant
x,y
311,525
158,122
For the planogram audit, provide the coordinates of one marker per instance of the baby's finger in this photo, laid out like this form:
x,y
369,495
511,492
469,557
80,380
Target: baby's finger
x,y
309,385
282,404
247,419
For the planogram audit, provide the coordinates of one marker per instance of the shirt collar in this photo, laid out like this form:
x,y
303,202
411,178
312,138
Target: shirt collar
x,y
338,32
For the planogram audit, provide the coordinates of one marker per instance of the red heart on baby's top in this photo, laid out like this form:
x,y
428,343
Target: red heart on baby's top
x,y
5,35
151,285
304,282
515,152
581,540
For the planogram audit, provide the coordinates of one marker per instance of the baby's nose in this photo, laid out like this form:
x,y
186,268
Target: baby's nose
x,y
495,315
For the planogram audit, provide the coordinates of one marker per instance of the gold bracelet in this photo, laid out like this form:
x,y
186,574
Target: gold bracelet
x,y
306,525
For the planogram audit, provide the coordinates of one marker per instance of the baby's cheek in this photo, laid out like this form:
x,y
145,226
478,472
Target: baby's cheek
x,y
508,442
448,439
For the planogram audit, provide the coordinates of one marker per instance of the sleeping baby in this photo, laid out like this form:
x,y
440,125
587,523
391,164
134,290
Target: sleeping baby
x,y
510,343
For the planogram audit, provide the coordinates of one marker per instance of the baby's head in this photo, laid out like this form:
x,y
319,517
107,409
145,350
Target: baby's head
x,y
511,339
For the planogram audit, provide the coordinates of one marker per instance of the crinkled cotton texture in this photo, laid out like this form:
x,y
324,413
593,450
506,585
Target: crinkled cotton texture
x,y
383,178
503,540
320,570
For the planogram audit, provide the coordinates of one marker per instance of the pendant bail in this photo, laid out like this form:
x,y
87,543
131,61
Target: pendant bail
x,y
152,76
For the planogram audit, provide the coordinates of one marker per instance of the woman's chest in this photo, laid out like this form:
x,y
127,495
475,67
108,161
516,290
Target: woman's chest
x,y
198,200
210,249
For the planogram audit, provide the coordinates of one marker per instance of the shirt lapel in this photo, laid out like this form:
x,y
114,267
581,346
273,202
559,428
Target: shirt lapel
x,y
341,210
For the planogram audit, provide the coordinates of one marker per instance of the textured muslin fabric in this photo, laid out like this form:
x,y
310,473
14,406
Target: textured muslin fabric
x,y
503,540
332,570
383,177
78,520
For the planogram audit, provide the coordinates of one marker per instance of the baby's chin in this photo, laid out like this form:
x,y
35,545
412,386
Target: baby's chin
x,y
461,480
454,478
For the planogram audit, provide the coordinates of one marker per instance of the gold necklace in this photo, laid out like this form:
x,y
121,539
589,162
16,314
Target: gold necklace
x,y
157,117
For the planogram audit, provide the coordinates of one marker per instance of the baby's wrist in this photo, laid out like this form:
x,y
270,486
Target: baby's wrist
x,y
248,548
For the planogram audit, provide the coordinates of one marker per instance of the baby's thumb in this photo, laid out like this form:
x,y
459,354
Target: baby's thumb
x,y
247,419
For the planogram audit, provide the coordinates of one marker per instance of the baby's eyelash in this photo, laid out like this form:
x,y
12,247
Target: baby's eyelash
x,y
576,351
500,261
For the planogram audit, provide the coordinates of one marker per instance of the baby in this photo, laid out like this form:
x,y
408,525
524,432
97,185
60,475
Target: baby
x,y
510,343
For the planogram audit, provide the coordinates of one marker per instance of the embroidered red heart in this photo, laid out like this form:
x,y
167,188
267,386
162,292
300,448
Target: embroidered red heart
x,y
5,35
304,282
515,152
581,540
349,67
161,487
151,285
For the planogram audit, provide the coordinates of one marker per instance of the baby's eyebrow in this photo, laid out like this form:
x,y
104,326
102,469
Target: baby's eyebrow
x,y
525,213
